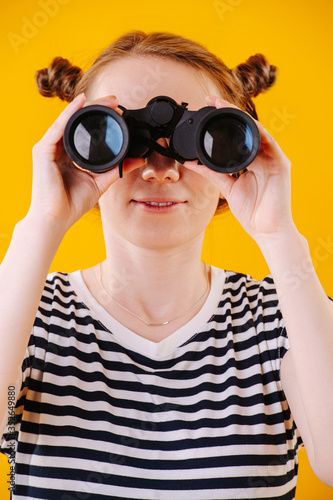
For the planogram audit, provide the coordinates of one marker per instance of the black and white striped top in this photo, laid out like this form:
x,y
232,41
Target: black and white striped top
x,y
106,414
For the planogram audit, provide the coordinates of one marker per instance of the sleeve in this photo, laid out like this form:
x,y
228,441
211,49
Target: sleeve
x,y
32,366
8,440
274,344
270,320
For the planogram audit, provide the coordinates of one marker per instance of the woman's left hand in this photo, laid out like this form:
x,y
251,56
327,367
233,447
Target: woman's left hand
x,y
260,198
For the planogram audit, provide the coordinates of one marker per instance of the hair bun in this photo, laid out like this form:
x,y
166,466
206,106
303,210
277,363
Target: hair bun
x,y
256,75
59,79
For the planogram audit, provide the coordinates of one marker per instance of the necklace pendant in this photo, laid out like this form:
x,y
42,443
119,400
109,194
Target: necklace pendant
x,y
157,324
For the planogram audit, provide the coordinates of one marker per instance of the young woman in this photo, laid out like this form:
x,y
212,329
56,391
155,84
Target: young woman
x,y
153,375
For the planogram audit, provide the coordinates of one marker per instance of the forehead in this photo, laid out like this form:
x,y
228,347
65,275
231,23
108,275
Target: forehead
x,y
136,80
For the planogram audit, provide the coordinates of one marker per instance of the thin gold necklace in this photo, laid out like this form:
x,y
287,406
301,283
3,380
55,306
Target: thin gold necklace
x,y
142,319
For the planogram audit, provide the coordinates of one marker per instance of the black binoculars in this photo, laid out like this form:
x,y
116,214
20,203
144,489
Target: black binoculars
x,y
97,138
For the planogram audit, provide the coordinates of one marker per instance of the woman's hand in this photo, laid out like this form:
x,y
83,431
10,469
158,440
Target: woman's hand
x,y
259,198
62,193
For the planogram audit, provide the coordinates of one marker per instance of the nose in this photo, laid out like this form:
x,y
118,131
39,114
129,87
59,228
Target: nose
x,y
160,168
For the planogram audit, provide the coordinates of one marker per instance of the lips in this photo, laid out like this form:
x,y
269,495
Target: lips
x,y
158,201
163,204
158,204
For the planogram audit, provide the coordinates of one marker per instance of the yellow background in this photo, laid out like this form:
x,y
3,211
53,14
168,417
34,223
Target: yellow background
x,y
295,35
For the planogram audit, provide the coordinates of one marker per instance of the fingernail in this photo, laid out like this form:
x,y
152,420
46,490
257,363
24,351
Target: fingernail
x,y
115,98
142,162
79,97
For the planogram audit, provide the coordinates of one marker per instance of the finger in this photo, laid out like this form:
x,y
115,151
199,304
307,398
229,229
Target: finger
x,y
218,102
104,180
129,164
110,101
54,134
224,182
56,131
132,164
267,143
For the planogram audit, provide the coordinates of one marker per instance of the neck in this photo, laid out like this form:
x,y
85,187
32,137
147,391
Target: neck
x,y
156,284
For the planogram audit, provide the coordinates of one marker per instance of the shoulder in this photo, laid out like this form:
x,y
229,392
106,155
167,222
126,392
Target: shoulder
x,y
58,297
58,284
56,280
250,300
247,280
236,283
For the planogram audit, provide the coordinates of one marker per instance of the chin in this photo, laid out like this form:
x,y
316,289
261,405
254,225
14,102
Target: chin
x,y
165,239
153,243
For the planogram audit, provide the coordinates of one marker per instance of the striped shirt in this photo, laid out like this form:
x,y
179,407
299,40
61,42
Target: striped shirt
x,y
104,413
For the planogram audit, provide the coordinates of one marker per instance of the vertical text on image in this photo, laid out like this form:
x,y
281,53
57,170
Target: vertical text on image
x,y
11,431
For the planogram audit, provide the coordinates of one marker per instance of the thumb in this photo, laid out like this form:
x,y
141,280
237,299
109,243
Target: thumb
x,y
224,182
104,180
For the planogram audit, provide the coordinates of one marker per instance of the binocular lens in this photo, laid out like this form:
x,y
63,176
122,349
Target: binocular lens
x,y
227,142
98,139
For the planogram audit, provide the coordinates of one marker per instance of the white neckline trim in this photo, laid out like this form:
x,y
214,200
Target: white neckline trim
x,y
133,341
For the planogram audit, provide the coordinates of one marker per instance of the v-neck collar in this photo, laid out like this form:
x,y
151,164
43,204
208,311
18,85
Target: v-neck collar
x,y
133,341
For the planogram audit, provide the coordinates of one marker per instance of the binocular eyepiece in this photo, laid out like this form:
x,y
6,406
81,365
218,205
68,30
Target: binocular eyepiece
x,y
97,138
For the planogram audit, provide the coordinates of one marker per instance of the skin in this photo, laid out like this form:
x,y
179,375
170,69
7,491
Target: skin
x,y
156,256
148,246
160,177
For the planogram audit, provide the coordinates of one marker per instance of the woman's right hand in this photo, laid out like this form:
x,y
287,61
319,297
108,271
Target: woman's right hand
x,y
62,193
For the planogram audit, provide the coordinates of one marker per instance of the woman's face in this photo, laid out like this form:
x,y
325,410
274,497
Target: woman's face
x,y
126,207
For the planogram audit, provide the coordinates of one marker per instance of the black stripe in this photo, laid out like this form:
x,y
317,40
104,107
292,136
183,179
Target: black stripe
x,y
175,485
149,444
48,494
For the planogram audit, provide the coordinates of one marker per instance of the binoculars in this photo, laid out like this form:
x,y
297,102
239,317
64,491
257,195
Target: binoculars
x,y
97,138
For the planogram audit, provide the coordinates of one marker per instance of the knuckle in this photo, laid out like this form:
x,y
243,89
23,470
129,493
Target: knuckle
x,y
35,149
39,149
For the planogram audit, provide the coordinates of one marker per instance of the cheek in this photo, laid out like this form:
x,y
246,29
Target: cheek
x,y
111,203
117,193
206,198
